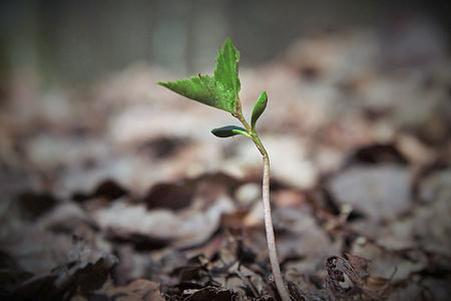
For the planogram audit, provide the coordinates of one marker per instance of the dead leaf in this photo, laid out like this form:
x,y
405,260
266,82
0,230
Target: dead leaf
x,y
137,290
380,192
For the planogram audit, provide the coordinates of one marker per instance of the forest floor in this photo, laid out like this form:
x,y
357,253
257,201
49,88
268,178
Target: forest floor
x,y
120,192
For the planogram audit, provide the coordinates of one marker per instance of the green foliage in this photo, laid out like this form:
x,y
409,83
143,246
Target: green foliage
x,y
220,90
259,108
229,131
226,71
204,89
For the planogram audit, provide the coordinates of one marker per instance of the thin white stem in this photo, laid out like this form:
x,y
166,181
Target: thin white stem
x,y
270,238
269,228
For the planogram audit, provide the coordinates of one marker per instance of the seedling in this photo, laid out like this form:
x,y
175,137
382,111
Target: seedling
x,y
221,91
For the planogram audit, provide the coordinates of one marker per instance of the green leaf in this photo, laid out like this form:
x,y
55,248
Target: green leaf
x,y
204,89
229,131
259,108
220,90
226,71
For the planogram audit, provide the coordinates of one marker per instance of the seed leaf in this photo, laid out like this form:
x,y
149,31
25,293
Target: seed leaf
x,y
259,108
229,131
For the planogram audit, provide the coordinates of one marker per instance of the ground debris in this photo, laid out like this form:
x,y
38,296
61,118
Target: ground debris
x,y
122,194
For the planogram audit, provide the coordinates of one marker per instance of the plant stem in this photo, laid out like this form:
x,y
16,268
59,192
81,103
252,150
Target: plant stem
x,y
270,233
269,228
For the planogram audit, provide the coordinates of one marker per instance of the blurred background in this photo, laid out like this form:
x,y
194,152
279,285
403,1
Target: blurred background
x,y
358,127
65,42
83,67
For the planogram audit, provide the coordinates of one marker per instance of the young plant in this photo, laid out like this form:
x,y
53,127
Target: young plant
x,y
221,90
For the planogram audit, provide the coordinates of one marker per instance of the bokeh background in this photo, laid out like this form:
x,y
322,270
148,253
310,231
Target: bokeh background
x,y
65,42
102,167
